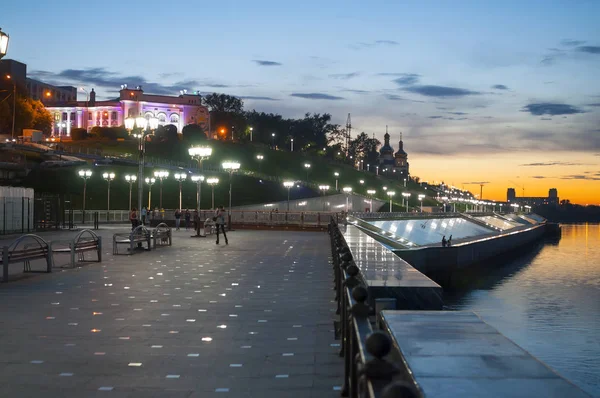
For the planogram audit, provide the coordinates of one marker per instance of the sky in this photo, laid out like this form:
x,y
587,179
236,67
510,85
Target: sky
x,y
502,93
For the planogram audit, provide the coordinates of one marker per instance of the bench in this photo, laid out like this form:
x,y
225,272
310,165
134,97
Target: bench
x,y
84,241
137,237
161,235
24,249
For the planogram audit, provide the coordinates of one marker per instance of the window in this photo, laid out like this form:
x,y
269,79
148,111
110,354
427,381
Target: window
x,y
114,115
73,116
64,116
162,118
174,118
90,116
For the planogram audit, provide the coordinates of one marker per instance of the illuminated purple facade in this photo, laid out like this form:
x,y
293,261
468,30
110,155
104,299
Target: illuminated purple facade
x,y
178,111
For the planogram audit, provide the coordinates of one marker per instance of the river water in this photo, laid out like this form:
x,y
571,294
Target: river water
x,y
547,301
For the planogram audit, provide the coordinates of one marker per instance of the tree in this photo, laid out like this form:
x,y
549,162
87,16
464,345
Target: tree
x,y
29,114
223,103
108,133
78,134
193,133
364,148
167,134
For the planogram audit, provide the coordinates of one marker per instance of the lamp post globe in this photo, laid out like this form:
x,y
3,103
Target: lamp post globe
x,y
85,174
131,178
231,167
4,38
391,195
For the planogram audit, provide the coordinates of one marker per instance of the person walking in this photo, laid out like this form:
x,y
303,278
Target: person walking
x,y
219,219
196,223
144,215
444,241
188,217
133,218
449,243
177,219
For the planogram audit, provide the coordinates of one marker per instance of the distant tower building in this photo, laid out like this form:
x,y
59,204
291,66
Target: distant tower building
x,y
511,195
386,155
553,196
401,160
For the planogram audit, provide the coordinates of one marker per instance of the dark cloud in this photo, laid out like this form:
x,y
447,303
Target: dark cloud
x,y
436,117
257,98
580,177
545,118
553,55
375,43
588,49
406,79
344,76
572,43
349,90
101,77
547,108
499,87
458,113
316,96
440,91
544,164
390,74
263,62
538,177
596,104
395,97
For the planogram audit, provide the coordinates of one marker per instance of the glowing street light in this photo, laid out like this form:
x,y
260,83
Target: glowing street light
x,y
150,182
406,196
85,174
336,174
421,197
212,182
231,167
292,145
130,178
146,127
198,180
391,195
259,158
108,177
273,139
323,189
371,193
4,38
347,191
180,177
288,185
161,175
307,167
199,154
251,128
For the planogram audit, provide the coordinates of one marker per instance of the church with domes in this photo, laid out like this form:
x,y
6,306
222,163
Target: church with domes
x,y
391,163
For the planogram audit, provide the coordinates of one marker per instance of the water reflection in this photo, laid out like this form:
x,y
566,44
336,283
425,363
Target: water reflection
x,y
548,302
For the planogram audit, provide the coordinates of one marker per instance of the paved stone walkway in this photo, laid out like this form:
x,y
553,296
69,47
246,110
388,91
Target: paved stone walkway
x,y
251,319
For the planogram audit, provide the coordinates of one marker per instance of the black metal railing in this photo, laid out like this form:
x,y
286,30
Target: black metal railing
x,y
368,371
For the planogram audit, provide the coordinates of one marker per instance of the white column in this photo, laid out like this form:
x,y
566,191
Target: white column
x,y
109,118
79,118
68,122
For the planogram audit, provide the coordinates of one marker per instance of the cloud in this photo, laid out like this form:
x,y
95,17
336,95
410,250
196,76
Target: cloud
x,y
571,43
458,113
539,177
395,97
499,87
547,108
545,118
588,49
440,91
544,164
435,117
349,90
262,62
376,43
390,74
316,96
407,79
580,177
257,98
476,182
596,104
344,76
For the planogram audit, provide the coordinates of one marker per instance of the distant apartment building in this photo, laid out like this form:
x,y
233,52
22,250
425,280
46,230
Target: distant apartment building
x,y
35,89
551,199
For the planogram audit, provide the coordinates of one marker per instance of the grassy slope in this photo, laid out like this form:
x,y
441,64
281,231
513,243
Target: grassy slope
x,y
246,190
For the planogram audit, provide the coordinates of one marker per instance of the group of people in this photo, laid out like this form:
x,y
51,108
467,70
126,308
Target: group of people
x,y
218,219
446,243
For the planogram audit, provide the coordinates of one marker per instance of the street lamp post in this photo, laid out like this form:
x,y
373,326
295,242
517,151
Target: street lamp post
x,y
147,127
371,193
108,177
405,183
260,159
391,195
212,182
180,177
336,174
131,178
251,128
421,197
161,175
150,182
198,180
200,153
85,174
324,189
347,191
307,167
406,196
292,145
288,185
14,95
273,139
231,167
3,43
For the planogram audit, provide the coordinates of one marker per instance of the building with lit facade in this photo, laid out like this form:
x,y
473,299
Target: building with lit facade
x,y
132,102
551,199
393,163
